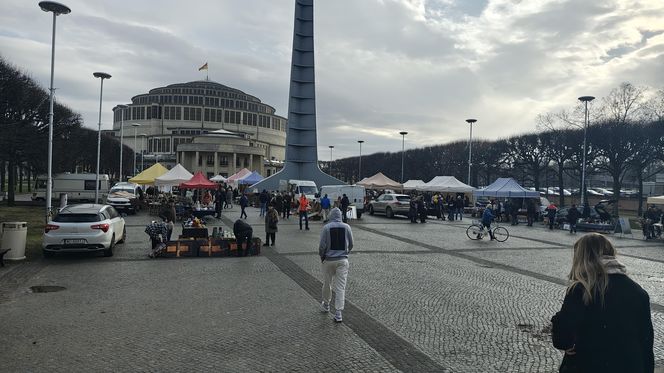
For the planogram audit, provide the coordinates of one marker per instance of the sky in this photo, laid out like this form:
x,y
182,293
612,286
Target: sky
x,y
382,66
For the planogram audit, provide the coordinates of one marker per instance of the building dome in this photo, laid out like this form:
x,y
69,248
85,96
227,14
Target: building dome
x,y
173,121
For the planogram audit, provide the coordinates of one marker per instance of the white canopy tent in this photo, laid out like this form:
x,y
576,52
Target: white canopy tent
x,y
413,184
174,177
218,179
445,184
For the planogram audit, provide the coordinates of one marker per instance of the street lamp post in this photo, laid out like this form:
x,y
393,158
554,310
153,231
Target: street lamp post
x,y
359,173
102,76
56,9
135,125
331,147
122,108
403,141
585,100
470,147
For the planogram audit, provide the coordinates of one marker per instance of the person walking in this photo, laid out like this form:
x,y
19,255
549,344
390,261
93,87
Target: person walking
x,y
421,210
228,203
271,221
604,324
344,208
325,206
303,205
336,242
573,215
243,233
244,202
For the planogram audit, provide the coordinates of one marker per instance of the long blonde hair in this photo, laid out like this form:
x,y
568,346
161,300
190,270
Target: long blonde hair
x,y
587,267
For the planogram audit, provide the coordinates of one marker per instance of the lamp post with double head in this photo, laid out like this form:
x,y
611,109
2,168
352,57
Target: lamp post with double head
x,y
585,100
359,172
56,9
122,109
403,142
102,76
135,125
331,147
470,147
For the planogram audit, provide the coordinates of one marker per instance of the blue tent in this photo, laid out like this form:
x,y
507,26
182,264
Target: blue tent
x,y
251,179
506,187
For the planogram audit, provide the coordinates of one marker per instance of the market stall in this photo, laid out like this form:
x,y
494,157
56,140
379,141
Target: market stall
x,y
379,181
148,176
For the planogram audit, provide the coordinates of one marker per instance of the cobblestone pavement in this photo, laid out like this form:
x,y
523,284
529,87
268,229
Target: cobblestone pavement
x,y
420,297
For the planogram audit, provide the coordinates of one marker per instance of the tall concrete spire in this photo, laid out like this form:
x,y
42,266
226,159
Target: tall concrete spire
x,y
301,141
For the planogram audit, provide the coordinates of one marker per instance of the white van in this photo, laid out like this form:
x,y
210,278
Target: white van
x,y
355,194
297,187
78,187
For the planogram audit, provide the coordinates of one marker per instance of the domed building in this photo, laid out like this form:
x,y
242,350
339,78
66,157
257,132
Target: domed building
x,y
204,126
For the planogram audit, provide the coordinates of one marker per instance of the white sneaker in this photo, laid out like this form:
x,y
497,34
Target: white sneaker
x,y
337,316
324,307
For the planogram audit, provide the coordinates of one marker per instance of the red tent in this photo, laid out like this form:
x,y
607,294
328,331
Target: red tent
x,y
199,182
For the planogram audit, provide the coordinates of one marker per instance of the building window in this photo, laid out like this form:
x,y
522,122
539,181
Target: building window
x,y
200,160
210,160
198,114
186,113
218,119
223,160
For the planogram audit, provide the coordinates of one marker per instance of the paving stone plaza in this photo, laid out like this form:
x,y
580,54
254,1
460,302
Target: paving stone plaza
x,y
420,297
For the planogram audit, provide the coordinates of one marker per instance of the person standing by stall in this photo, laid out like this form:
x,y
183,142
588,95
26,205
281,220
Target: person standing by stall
x,y
303,206
271,221
243,233
219,197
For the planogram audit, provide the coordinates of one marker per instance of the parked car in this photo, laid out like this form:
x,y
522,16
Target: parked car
x,y
84,228
125,197
390,204
603,191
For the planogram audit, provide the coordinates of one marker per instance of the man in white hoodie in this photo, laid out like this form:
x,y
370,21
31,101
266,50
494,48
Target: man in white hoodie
x,y
336,241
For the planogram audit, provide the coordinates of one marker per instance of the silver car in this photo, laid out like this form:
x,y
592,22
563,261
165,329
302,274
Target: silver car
x,y
390,204
84,228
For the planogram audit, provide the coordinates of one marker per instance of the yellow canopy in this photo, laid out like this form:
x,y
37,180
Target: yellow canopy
x,y
148,175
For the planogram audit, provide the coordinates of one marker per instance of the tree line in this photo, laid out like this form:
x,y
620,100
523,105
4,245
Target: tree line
x,y
625,139
24,122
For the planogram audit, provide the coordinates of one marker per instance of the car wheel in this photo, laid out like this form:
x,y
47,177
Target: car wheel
x,y
124,235
109,251
371,211
48,254
389,213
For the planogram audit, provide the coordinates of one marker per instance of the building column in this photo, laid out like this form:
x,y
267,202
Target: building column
x,y
234,167
216,163
195,165
251,162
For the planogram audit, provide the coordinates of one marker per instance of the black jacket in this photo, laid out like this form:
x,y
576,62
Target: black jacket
x,y
573,215
242,229
615,338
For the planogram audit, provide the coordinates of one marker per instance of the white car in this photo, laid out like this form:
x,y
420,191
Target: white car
x,y
84,228
125,197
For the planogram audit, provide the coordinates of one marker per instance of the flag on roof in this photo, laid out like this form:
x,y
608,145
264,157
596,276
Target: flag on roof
x,y
204,67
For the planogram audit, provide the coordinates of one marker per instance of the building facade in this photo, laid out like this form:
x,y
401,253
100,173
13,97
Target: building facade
x,y
204,126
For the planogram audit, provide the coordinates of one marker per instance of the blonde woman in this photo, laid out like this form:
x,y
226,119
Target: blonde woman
x,y
604,324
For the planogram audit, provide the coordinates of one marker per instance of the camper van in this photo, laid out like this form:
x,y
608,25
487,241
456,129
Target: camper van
x,y
78,187
355,194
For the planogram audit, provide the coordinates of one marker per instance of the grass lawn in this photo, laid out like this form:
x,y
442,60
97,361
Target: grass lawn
x,y
34,216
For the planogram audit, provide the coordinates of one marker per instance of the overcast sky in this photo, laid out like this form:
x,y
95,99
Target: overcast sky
x,y
382,66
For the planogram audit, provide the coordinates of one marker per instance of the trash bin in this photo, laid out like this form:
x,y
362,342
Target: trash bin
x,y
13,235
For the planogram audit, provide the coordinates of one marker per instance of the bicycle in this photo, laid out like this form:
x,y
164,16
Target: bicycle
x,y
476,231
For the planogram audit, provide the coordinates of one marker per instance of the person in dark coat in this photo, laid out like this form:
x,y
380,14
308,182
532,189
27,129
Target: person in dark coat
x,y
459,207
604,324
573,216
422,210
244,202
412,210
451,208
243,233
288,200
271,221
530,212
551,214
219,201
344,208
263,198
